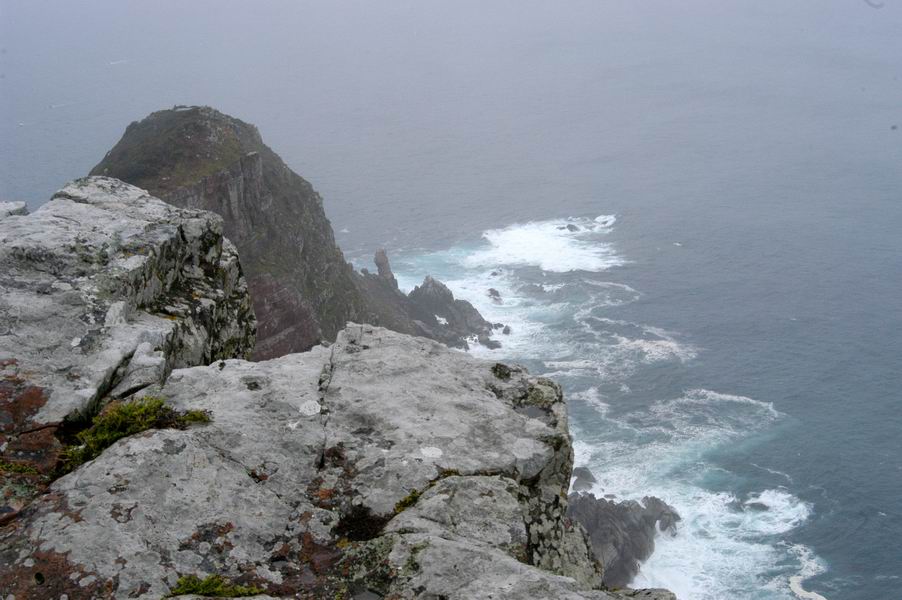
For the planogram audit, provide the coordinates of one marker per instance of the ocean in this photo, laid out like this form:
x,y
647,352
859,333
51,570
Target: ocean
x,y
691,212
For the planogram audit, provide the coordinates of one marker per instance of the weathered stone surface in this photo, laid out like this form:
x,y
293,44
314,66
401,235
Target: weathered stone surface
x,y
302,288
103,291
9,209
622,533
383,463
380,466
196,157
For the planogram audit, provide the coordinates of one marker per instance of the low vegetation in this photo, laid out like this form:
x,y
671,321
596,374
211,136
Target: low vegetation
x,y
122,419
212,586
8,467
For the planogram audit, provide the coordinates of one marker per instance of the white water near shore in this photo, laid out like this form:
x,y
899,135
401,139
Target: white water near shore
x,y
550,276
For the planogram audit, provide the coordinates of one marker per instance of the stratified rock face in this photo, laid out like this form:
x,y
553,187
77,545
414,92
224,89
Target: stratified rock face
x,y
302,288
383,463
622,533
103,291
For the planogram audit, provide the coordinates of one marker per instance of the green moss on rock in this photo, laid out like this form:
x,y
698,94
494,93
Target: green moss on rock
x,y
212,586
122,419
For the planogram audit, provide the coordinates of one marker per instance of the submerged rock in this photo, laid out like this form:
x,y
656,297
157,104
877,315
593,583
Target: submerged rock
x,y
622,533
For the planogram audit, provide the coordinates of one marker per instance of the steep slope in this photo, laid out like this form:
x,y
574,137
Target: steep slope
x,y
302,288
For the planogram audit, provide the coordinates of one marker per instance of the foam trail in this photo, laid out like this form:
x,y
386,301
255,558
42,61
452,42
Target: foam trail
x,y
810,567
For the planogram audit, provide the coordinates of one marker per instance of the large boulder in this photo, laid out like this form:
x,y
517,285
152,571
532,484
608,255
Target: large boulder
x,y
103,291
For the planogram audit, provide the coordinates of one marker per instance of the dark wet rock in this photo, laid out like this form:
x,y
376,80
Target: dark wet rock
x,y
489,342
622,533
569,227
495,295
506,330
432,313
583,479
433,299
383,266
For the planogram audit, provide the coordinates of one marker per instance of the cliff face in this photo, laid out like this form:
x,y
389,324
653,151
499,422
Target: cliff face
x,y
381,466
302,288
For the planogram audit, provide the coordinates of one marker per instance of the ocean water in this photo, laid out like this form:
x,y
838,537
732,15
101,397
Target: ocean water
x,y
725,312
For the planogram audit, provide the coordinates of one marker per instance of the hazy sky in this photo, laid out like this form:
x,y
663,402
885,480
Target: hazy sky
x,y
401,103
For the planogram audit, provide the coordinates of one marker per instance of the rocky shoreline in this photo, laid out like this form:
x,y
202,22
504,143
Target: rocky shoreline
x,y
382,465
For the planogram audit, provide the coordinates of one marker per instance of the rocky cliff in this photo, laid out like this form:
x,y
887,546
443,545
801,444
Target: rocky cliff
x,y
103,291
302,288
383,465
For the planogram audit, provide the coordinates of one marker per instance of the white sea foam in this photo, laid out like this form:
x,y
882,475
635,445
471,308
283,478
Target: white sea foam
x,y
773,472
559,246
810,566
719,553
725,544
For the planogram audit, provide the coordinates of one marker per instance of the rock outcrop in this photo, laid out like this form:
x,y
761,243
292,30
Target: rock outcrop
x,y
9,209
302,288
430,310
103,291
622,533
383,465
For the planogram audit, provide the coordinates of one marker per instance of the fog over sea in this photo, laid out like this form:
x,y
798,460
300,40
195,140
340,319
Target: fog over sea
x,y
692,212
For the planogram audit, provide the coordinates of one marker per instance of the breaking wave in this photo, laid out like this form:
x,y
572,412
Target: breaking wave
x,y
554,282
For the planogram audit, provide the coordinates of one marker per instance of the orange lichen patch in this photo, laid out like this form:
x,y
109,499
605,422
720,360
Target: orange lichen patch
x,y
324,494
211,536
320,557
30,450
51,575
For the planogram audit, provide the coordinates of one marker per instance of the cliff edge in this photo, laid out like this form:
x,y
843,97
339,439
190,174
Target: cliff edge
x,y
382,465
